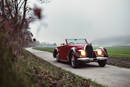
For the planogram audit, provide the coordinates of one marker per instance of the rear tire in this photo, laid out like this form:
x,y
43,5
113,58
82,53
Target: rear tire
x,y
57,57
55,53
102,63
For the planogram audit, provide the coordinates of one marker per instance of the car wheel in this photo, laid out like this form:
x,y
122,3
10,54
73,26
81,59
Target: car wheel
x,y
57,57
55,53
73,61
102,63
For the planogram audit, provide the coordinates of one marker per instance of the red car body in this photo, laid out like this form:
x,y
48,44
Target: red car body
x,y
74,52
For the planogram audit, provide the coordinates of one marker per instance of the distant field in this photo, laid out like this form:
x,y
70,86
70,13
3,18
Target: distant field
x,y
119,52
114,52
49,49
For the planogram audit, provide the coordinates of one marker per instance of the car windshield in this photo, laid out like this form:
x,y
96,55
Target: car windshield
x,y
76,41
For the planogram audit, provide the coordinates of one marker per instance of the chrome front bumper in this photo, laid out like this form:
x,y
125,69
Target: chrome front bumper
x,y
92,59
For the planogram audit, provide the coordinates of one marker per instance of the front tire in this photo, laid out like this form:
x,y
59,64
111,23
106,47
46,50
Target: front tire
x,y
102,63
73,61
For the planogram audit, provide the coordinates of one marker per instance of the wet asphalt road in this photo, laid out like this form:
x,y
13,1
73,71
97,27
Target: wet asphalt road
x,y
110,76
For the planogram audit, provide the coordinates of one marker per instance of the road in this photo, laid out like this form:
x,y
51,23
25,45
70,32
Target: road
x,y
110,76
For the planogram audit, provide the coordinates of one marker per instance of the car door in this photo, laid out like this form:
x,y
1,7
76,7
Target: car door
x,y
63,52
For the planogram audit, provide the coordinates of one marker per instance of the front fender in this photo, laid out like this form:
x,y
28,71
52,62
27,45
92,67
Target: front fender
x,y
104,51
72,50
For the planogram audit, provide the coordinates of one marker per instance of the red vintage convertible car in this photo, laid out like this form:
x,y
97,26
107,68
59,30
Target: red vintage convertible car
x,y
76,51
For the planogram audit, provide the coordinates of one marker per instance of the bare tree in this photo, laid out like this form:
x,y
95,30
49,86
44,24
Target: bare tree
x,y
15,22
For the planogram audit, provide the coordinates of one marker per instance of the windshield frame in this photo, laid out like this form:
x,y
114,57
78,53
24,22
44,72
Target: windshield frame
x,y
67,42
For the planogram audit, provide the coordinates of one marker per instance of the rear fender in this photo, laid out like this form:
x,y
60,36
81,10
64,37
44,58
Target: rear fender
x,y
55,52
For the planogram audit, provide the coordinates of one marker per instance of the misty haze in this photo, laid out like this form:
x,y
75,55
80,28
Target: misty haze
x,y
92,19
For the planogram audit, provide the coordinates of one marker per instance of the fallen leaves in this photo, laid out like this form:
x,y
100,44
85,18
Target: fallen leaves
x,y
50,76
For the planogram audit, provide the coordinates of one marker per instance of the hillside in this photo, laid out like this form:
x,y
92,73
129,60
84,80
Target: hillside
x,y
113,41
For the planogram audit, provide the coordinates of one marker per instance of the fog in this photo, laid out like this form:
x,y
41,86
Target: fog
x,y
91,19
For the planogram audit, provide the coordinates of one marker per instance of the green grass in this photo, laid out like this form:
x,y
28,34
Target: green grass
x,y
44,49
119,52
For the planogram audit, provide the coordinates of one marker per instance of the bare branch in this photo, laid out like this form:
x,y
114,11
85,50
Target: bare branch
x,y
2,8
8,6
21,5
16,8
19,1
24,13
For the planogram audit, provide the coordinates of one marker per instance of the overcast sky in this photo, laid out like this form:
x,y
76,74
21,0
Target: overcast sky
x,y
91,19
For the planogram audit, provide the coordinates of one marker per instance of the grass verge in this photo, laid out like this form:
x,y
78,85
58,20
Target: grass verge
x,y
119,56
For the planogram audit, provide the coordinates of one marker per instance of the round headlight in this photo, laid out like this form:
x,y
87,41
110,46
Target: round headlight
x,y
99,52
82,53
